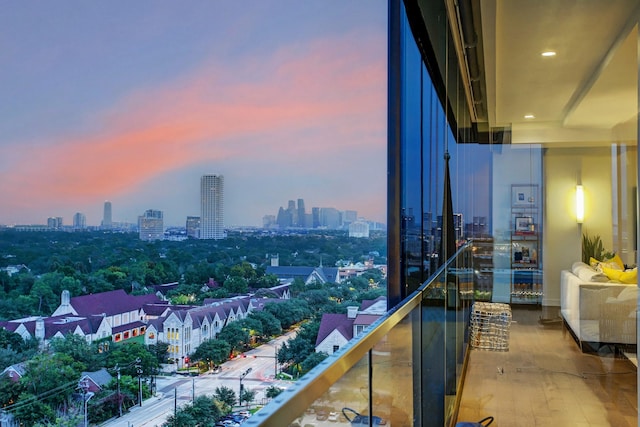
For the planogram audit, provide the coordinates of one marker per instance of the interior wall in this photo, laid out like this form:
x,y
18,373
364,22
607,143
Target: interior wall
x,y
512,164
562,235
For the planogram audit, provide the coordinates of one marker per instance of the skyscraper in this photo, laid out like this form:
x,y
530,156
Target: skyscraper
x,y
79,221
151,225
301,214
212,207
193,227
106,216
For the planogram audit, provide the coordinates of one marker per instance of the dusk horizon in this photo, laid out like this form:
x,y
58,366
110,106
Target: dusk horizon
x,y
133,105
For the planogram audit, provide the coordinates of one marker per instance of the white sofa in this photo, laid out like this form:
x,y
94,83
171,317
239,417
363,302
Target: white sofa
x,y
598,311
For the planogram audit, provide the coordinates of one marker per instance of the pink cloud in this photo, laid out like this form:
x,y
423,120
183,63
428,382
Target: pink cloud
x,y
312,102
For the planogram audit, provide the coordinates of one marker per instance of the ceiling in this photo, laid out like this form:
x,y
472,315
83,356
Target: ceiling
x,y
586,94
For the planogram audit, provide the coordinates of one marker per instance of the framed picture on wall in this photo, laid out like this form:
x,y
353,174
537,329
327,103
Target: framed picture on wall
x,y
524,224
524,195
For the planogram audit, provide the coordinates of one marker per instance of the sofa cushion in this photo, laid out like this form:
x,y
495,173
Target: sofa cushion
x,y
629,277
588,274
591,298
614,263
628,294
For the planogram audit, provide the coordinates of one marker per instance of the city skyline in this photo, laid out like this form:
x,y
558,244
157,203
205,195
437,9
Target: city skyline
x,y
133,104
59,222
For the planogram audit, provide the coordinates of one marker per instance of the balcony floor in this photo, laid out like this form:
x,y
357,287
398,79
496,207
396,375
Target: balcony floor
x,y
545,380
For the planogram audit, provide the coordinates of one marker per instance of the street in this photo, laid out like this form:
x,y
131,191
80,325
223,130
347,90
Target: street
x,y
178,390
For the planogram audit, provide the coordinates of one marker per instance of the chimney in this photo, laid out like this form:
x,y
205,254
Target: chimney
x,y
352,312
65,299
40,328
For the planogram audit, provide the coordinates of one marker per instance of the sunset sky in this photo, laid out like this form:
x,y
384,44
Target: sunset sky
x,y
133,101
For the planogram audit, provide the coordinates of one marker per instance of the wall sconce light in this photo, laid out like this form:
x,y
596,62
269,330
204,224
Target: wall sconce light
x,y
579,204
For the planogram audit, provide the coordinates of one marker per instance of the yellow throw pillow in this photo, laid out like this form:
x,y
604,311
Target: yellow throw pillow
x,y
617,260
629,277
615,263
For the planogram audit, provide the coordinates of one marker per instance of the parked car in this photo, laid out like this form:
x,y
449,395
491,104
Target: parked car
x,y
333,417
245,414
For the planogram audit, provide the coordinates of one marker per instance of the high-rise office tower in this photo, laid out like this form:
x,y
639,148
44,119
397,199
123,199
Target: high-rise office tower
x,y
293,212
301,214
212,207
79,221
193,227
151,225
106,216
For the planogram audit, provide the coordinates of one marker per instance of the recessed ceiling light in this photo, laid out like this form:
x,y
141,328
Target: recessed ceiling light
x,y
529,116
549,53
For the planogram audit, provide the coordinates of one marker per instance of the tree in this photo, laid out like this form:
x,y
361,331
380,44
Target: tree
x,y
46,372
272,391
297,286
236,285
181,418
78,349
315,298
289,312
202,412
252,325
225,395
358,282
128,355
270,325
247,396
267,281
295,351
48,384
44,296
312,360
129,389
234,335
11,340
160,350
214,350
205,411
33,412
8,357
9,391
244,270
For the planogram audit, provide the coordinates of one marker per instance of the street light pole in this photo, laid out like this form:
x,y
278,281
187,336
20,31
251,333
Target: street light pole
x,y
86,402
119,399
244,374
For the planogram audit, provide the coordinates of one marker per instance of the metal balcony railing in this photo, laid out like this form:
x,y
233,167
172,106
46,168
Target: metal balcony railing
x,y
405,370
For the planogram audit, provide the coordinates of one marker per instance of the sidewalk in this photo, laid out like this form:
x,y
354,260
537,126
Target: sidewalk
x,y
123,421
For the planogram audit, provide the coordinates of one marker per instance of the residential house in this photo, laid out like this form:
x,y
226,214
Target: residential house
x,y
338,329
94,381
307,274
15,372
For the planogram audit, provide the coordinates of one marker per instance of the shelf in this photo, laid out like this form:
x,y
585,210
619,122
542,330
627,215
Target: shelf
x,y
524,236
525,246
524,265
